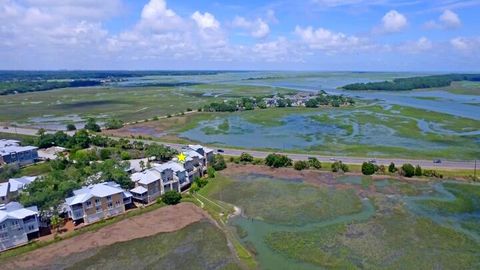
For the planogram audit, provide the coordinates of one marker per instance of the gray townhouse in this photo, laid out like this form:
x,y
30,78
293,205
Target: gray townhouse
x,y
12,152
18,225
10,190
96,202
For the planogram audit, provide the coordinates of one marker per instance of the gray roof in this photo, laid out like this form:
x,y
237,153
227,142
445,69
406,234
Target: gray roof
x,y
197,147
139,190
5,143
15,210
4,151
4,189
20,183
100,190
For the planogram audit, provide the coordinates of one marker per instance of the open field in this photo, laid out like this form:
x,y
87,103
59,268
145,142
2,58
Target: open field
x,y
381,232
165,219
198,246
127,103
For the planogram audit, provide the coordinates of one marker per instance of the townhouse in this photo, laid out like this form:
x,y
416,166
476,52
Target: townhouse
x,y
154,182
207,153
18,225
95,202
10,190
12,152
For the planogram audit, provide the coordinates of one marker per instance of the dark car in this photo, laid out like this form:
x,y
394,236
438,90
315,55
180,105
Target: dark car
x,y
220,151
437,161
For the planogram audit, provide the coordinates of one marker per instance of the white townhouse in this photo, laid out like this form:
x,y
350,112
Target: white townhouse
x,y
206,152
17,224
96,202
11,189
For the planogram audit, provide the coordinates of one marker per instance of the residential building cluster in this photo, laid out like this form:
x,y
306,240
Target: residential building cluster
x,y
297,100
12,152
95,202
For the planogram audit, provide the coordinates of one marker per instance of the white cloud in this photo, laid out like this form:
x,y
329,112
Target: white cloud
x,y
464,44
257,28
205,21
393,21
447,20
157,17
421,45
323,39
450,19
279,50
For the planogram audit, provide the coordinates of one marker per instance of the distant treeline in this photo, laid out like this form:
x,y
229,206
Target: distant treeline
x,y
13,87
13,75
414,82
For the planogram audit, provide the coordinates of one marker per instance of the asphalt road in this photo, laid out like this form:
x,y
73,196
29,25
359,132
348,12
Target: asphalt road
x,y
445,164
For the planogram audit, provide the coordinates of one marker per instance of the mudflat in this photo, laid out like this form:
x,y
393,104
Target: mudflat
x,y
162,220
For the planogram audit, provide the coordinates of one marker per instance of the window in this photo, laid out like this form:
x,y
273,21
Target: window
x,y
15,224
117,203
31,227
99,209
3,227
97,201
109,198
3,237
88,204
110,205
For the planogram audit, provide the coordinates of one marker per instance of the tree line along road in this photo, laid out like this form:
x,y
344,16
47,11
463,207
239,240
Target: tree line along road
x,y
445,164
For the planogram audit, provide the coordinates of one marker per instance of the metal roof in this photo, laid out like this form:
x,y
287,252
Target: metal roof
x,y
15,210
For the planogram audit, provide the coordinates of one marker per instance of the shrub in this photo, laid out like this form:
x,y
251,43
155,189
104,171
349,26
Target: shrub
x,y
300,165
171,197
392,168
314,163
92,125
200,182
125,155
368,168
155,118
114,123
408,170
418,170
194,188
338,166
246,157
277,161
211,172
71,127
219,163
105,153
432,173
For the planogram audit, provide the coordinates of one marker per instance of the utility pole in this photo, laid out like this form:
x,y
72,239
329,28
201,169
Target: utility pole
x,y
475,171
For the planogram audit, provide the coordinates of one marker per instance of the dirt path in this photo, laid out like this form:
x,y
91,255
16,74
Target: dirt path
x,y
165,219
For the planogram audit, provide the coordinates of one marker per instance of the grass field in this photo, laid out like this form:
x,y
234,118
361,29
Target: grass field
x,y
198,246
126,103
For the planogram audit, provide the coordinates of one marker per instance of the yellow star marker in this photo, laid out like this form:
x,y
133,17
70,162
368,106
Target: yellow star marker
x,y
181,157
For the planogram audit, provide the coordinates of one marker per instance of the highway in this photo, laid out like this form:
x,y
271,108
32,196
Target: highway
x,y
445,164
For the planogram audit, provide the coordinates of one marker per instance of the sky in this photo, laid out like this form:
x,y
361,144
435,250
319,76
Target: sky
x,y
330,35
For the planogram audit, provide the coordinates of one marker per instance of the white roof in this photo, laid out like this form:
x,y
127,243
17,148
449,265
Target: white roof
x,y
15,210
146,177
139,190
15,149
5,143
100,190
4,189
20,183
135,164
171,165
190,154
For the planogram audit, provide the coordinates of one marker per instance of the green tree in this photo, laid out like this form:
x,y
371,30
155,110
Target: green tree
x,y
311,103
172,197
276,160
392,168
418,170
92,125
105,153
71,127
219,163
211,172
368,168
56,222
262,105
113,123
124,155
246,157
300,165
408,170
313,162
339,166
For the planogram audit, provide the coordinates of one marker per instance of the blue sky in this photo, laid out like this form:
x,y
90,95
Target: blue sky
x,y
401,35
